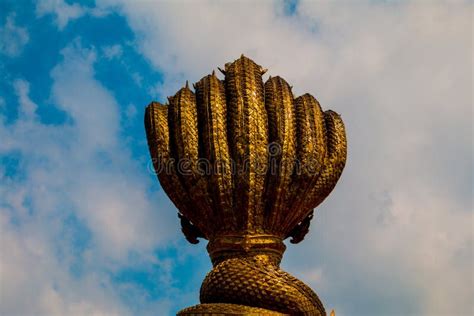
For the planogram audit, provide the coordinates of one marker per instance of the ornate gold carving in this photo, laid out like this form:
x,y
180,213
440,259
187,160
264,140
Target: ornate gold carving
x,y
246,163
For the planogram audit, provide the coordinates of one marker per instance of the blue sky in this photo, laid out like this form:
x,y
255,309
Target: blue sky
x,y
85,227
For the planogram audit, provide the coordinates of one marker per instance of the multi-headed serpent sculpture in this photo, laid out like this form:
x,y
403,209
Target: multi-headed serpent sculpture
x,y
246,163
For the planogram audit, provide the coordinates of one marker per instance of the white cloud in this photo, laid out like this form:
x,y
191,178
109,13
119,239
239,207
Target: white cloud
x,y
27,107
113,51
137,78
400,220
79,201
12,37
64,12
131,111
31,272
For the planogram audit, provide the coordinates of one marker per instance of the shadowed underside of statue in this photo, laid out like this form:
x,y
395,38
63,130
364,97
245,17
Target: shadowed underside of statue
x,y
246,163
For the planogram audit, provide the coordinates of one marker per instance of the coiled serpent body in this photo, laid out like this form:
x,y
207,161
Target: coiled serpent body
x,y
253,282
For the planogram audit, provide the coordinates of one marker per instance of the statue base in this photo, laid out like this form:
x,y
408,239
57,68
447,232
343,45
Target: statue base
x,y
223,309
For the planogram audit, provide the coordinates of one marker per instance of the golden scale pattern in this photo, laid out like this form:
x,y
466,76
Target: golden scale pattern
x,y
270,160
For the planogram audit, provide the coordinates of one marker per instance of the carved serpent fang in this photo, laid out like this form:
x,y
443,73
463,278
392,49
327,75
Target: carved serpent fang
x,y
246,163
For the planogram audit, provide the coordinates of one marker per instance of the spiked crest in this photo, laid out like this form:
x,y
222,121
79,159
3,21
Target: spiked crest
x,y
241,156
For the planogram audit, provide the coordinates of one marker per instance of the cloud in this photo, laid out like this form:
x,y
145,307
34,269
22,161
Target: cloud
x,y
27,107
30,272
78,208
64,12
113,51
131,111
13,37
399,224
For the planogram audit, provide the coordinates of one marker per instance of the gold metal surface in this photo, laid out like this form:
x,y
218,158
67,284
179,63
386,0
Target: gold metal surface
x,y
246,163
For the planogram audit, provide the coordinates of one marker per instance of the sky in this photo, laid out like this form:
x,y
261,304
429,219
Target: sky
x,y
85,228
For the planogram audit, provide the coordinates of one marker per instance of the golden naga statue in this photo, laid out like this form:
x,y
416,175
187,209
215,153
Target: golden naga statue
x,y
246,163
